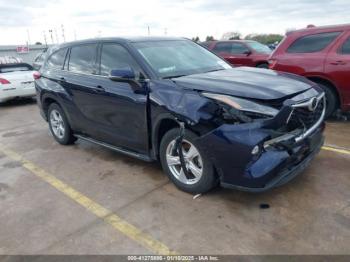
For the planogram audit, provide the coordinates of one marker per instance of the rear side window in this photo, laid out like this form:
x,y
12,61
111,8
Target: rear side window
x,y
222,48
346,47
312,43
56,60
114,56
82,59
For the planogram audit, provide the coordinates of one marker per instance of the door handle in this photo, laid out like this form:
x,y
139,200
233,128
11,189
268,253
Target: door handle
x,y
99,89
338,63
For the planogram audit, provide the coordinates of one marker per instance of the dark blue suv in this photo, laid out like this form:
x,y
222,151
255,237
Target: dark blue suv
x,y
172,100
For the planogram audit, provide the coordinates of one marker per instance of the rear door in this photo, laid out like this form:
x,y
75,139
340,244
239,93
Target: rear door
x,y
80,80
337,66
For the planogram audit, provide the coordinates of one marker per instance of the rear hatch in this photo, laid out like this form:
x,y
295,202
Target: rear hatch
x,y
20,76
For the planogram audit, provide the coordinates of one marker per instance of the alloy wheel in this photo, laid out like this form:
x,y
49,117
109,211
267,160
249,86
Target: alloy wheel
x,y
57,124
193,162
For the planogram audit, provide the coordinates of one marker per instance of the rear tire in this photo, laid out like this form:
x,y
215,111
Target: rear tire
x,y
200,168
331,100
59,126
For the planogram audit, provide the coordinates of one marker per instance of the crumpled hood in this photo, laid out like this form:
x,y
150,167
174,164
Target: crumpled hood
x,y
247,82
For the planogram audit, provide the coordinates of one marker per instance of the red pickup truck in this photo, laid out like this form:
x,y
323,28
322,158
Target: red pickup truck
x,y
322,54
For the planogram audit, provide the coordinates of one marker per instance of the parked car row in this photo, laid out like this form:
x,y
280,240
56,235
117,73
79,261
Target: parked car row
x,y
321,54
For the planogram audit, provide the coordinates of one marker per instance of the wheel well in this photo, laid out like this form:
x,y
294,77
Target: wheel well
x,y
164,127
326,83
261,63
46,104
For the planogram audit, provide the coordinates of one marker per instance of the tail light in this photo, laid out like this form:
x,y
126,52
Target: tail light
x,y
272,63
4,81
36,75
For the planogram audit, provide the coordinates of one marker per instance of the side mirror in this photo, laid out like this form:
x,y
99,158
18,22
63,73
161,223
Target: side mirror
x,y
122,74
247,53
127,75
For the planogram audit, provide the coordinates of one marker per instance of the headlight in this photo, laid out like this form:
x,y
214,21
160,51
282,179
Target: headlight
x,y
243,104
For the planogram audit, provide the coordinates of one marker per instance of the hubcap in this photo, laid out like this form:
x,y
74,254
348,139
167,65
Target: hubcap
x,y
193,162
57,124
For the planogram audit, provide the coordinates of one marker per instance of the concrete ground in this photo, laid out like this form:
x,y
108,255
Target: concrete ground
x,y
310,215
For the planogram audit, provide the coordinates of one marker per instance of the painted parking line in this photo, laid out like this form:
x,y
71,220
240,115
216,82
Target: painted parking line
x,y
106,215
337,150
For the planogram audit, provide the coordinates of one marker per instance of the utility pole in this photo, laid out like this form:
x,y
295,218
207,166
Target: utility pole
x,y
57,40
28,36
149,31
45,38
63,36
165,31
50,31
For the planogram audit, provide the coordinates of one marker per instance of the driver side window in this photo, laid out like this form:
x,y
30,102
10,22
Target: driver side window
x,y
115,56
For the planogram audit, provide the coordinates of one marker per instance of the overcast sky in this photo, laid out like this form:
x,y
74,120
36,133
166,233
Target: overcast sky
x,y
85,19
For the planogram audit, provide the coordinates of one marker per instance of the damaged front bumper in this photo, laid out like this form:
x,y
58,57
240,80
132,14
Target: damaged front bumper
x,y
278,160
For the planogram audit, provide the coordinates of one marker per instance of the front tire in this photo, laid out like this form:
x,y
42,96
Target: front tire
x,y
200,176
331,100
59,126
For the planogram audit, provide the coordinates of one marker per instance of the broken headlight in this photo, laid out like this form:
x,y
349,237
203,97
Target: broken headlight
x,y
241,109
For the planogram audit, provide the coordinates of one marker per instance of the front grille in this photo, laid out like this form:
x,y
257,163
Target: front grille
x,y
302,117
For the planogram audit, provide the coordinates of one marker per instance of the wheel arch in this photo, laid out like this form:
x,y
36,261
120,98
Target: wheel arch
x,y
47,99
163,124
329,83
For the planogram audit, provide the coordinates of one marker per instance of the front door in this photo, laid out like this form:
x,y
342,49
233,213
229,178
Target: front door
x,y
338,66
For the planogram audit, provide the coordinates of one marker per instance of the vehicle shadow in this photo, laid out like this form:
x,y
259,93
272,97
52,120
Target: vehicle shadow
x,y
18,102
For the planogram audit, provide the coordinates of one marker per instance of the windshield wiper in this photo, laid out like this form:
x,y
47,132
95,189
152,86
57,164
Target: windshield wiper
x,y
169,77
215,70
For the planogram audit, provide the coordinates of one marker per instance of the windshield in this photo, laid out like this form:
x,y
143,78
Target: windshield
x,y
178,58
259,48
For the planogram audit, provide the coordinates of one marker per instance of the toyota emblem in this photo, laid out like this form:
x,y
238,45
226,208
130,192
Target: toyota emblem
x,y
313,104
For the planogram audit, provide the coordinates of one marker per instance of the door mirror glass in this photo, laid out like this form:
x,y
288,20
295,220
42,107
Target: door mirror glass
x,y
126,73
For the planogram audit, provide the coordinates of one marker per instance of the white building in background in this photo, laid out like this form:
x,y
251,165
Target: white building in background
x,y
25,53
